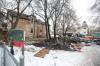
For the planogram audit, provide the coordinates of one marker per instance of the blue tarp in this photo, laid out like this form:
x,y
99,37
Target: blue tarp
x,y
96,34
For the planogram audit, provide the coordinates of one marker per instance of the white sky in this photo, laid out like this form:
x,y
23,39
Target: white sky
x,y
82,8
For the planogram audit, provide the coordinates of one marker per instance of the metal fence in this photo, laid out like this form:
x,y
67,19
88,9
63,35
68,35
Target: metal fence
x,y
1,56
6,58
9,59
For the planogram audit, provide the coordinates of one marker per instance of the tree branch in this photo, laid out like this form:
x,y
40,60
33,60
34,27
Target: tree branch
x,y
25,7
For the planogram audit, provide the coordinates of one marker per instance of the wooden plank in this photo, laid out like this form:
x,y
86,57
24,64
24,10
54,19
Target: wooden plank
x,y
42,53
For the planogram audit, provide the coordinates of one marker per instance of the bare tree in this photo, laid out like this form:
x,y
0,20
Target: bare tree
x,y
65,16
67,21
50,11
58,9
96,10
15,5
43,10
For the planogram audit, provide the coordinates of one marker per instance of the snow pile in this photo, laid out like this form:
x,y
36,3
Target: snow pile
x,y
88,57
28,48
32,48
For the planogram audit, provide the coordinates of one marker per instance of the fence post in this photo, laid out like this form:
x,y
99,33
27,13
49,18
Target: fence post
x,y
1,54
21,61
9,59
4,61
22,57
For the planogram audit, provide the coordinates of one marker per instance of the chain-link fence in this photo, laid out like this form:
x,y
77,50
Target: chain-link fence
x,y
9,59
1,55
6,58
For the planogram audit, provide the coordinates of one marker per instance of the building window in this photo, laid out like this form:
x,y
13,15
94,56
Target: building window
x,y
31,30
40,30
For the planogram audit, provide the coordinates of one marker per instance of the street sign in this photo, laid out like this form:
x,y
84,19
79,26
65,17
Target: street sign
x,y
17,38
17,35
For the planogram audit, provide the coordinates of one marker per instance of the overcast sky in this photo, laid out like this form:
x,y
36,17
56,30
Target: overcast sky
x,y
82,8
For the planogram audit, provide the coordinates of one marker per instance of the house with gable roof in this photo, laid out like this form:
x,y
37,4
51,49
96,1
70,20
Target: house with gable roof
x,y
33,27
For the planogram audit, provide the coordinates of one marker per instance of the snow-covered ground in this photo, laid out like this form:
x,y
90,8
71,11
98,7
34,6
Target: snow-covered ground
x,y
29,49
89,56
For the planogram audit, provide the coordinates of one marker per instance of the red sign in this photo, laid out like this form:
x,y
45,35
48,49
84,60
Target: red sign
x,y
18,43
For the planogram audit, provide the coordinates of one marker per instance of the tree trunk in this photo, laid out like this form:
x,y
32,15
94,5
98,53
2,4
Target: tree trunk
x,y
19,13
63,29
34,28
55,24
55,30
46,19
48,29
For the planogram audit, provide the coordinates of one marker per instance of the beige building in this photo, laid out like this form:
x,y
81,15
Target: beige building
x,y
33,27
83,28
39,28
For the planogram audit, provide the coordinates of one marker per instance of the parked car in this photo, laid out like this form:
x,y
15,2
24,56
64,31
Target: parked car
x,y
96,41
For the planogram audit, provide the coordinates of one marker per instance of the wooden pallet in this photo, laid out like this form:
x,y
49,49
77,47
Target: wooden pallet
x,y
42,53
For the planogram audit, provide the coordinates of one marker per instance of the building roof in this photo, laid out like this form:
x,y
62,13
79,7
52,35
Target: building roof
x,y
39,21
24,16
84,24
14,14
